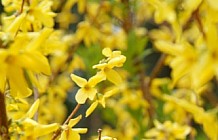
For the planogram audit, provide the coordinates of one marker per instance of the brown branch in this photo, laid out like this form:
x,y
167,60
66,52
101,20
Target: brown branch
x,y
146,83
195,16
99,134
58,132
199,23
21,8
3,119
127,16
157,67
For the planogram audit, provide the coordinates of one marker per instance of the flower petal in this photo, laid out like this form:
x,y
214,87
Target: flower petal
x,y
111,92
113,76
17,81
81,82
117,61
91,108
91,93
81,96
34,61
100,76
80,130
32,109
74,121
107,52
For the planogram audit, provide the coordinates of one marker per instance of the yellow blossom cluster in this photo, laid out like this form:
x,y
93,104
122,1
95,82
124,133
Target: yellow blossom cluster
x,y
156,78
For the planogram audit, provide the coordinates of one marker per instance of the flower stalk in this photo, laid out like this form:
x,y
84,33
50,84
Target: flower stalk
x,y
58,132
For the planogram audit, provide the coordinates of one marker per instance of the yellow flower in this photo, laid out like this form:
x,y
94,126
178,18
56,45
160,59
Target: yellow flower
x,y
101,100
168,130
87,89
22,56
33,129
207,119
87,33
70,133
183,58
30,128
114,59
35,15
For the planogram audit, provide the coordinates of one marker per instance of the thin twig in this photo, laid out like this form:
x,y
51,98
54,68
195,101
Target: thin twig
x,y
21,8
128,16
58,132
146,83
97,13
36,96
99,134
157,67
3,119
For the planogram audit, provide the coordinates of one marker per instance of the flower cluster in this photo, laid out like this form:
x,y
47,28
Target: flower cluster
x,y
157,77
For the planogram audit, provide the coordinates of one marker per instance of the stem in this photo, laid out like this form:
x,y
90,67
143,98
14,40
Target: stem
x,y
127,16
99,134
58,132
3,119
36,96
157,67
97,13
72,113
146,83
21,8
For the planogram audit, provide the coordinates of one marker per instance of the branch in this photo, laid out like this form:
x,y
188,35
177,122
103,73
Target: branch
x,y
157,67
146,83
3,119
99,134
58,132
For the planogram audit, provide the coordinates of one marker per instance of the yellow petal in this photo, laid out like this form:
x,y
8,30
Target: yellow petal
x,y
168,47
46,18
81,6
81,82
203,72
107,138
107,52
213,4
91,108
18,85
111,92
80,130
41,130
63,136
14,27
72,135
34,61
36,43
34,129
32,109
117,61
100,66
100,76
91,93
73,122
208,120
81,96
113,76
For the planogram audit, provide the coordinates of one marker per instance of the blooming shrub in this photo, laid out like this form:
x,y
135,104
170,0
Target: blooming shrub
x,y
132,69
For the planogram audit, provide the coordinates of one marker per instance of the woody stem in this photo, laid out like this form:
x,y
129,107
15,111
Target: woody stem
x,y
58,132
3,119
